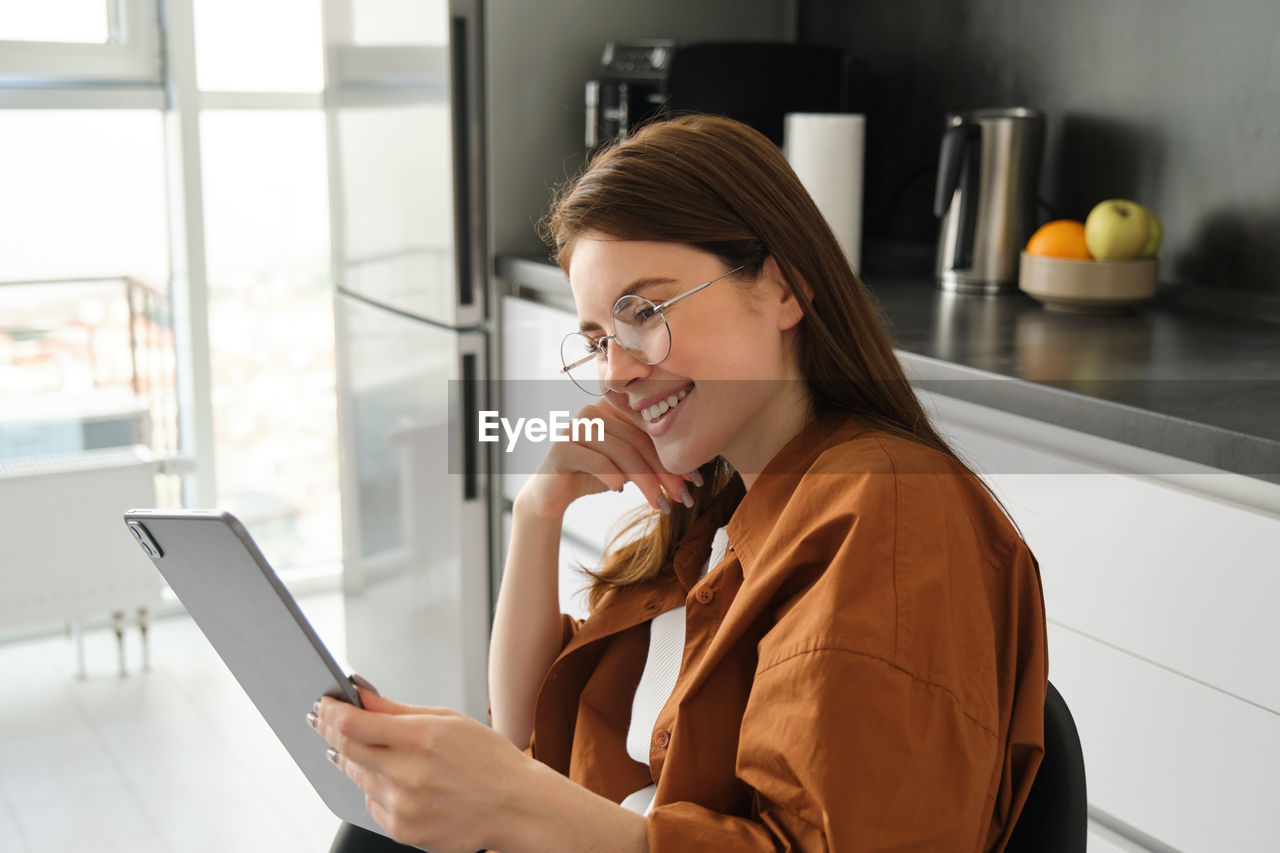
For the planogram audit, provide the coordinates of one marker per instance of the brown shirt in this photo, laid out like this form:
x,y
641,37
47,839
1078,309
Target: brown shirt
x,y
865,670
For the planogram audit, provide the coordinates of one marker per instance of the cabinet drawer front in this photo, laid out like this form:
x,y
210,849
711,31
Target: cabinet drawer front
x,y
1179,761
1187,581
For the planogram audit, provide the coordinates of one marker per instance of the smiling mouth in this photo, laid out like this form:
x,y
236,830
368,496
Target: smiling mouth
x,y
658,410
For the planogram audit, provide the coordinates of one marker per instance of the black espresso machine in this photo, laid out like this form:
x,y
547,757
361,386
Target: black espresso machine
x,y
755,82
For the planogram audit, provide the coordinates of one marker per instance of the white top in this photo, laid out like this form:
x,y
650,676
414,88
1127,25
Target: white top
x,y
661,669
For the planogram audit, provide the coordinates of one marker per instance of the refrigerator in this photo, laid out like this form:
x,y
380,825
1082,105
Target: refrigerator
x,y
447,123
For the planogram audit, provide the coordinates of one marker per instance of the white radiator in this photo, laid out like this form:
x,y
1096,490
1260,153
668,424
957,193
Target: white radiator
x,y
65,554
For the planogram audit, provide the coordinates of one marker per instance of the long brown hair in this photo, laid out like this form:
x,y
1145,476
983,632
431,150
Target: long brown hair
x,y
720,186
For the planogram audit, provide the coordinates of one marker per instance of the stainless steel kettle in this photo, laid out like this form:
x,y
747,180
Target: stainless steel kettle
x,y
988,169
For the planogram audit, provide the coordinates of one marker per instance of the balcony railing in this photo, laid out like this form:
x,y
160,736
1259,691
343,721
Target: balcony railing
x,y
86,364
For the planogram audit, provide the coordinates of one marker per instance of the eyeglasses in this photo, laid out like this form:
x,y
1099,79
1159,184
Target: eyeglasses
x,y
639,327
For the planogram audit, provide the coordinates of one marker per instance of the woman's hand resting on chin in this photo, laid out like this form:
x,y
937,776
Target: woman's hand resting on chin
x,y
573,469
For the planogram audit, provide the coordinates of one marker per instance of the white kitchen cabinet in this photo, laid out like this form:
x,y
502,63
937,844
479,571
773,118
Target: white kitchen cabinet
x,y
1159,597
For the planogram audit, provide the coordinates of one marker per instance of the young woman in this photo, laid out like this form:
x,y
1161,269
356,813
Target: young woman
x,y
861,662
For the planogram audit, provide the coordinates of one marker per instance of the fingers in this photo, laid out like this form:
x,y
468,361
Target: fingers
x,y
343,724
625,453
594,461
403,813
631,451
615,461
372,725
431,777
347,754
378,791
372,767
367,733
358,760
380,704
391,775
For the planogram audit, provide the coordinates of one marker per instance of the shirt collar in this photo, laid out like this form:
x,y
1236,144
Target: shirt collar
x,y
758,511
695,548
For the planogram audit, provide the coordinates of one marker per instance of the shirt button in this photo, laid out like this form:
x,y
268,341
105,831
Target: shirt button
x,y
661,738
704,595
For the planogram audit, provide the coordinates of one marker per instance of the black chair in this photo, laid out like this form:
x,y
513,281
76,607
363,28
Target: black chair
x,y
1056,814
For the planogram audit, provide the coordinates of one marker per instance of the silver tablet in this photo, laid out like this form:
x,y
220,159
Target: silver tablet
x,y
216,570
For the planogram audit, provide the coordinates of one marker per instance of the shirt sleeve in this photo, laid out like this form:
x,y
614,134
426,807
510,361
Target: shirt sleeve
x,y
846,752
569,628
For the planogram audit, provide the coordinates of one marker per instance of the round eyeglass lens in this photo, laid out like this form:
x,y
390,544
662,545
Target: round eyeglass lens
x,y
584,366
641,329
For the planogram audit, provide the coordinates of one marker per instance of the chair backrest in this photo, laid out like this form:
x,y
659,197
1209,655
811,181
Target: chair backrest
x,y
1056,815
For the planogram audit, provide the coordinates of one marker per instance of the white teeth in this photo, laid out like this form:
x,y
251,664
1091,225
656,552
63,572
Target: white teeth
x,y
660,408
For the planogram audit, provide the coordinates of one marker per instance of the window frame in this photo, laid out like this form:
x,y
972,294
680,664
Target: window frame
x,y
131,54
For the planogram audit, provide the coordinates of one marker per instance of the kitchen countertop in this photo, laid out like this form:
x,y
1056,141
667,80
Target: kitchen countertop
x,y
1185,383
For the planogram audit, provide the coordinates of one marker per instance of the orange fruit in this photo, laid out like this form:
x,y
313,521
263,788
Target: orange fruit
x,y
1062,238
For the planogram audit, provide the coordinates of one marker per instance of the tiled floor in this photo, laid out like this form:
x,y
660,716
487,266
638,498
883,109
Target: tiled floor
x,y
174,759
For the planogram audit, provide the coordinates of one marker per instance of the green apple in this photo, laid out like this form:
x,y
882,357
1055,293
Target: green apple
x,y
1117,230
1155,234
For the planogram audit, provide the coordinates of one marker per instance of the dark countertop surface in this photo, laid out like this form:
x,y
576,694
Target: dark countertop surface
x,y
1164,376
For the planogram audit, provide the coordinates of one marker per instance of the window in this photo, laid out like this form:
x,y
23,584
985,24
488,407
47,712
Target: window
x,y
271,344
84,195
86,347
64,41
85,21
281,52
124,207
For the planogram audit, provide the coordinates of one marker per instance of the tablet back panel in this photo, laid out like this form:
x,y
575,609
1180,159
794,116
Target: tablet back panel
x,y
218,573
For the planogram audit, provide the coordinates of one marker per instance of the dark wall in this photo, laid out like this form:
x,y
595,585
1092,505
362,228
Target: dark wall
x,y
1173,103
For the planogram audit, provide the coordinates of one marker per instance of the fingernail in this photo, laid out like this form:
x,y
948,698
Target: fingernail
x,y
695,477
361,681
315,707
331,754
664,505
312,719
685,497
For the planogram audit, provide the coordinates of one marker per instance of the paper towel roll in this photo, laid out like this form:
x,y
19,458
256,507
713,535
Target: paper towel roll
x,y
825,150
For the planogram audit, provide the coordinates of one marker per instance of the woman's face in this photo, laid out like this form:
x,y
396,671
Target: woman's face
x,y
732,365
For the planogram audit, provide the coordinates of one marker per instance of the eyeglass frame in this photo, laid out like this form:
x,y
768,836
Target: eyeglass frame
x,y
599,351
